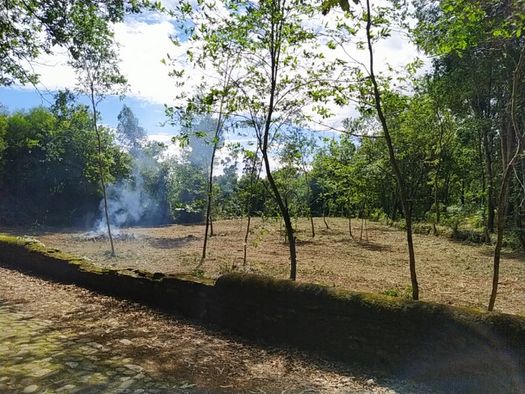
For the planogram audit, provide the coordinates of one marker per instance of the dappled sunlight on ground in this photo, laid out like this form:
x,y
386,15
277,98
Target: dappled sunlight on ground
x,y
62,338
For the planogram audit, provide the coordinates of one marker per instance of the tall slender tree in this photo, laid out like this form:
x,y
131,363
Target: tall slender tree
x,y
96,64
494,30
377,25
277,75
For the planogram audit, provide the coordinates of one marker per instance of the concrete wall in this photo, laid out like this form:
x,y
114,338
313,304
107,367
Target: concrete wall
x,y
456,349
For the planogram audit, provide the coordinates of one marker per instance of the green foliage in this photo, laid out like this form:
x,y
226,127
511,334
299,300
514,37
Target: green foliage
x,y
129,132
95,57
406,293
272,77
48,165
187,192
31,28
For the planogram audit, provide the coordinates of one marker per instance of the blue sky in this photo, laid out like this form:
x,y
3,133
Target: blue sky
x,y
144,40
149,114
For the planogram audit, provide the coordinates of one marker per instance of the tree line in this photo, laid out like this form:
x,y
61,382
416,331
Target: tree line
x,y
445,148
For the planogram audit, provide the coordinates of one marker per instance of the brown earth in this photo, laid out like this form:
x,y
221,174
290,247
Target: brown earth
x,y
449,272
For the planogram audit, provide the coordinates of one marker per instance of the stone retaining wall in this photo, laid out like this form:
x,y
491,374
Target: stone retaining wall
x,y
456,349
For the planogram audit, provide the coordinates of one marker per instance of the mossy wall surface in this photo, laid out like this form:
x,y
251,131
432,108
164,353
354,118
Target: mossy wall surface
x,y
457,349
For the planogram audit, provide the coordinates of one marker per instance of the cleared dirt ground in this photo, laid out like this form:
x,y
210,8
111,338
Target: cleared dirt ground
x,y
449,272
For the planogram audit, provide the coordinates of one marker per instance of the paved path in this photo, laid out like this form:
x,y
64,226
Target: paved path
x,y
59,338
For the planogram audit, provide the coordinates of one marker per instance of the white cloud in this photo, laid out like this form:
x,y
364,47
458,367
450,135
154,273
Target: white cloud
x,y
54,71
142,46
145,39
172,151
143,42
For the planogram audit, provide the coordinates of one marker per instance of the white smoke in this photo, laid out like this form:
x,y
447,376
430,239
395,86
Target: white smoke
x,y
128,203
131,201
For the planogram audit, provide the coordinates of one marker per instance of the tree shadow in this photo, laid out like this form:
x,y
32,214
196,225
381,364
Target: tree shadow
x,y
301,242
373,246
506,254
76,362
171,243
368,245
35,231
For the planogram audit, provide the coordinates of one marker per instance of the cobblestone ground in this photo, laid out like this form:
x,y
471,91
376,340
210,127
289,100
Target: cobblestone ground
x,y
57,338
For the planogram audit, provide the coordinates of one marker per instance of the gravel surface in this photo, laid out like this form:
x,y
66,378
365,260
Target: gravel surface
x,y
62,338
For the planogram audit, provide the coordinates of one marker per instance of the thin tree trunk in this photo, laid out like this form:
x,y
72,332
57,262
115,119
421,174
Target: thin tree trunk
x,y
276,30
208,206
350,225
308,196
438,168
436,206
513,133
502,207
399,177
324,217
254,177
101,169
490,184
521,208
361,232
484,210
218,131
285,215
210,188
245,244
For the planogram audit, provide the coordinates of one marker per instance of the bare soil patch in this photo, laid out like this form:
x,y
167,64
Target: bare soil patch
x,y
450,272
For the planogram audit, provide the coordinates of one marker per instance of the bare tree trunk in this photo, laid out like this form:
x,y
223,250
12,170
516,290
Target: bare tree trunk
x,y
399,176
486,231
101,168
482,109
324,217
254,177
350,225
208,206
490,184
502,207
245,244
361,232
308,196
209,223
513,134
275,52
521,208
436,204
290,236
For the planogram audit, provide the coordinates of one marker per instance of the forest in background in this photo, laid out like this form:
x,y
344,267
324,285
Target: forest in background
x,y
442,149
49,172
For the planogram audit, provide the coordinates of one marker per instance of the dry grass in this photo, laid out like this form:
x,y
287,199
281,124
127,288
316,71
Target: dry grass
x,y
449,272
